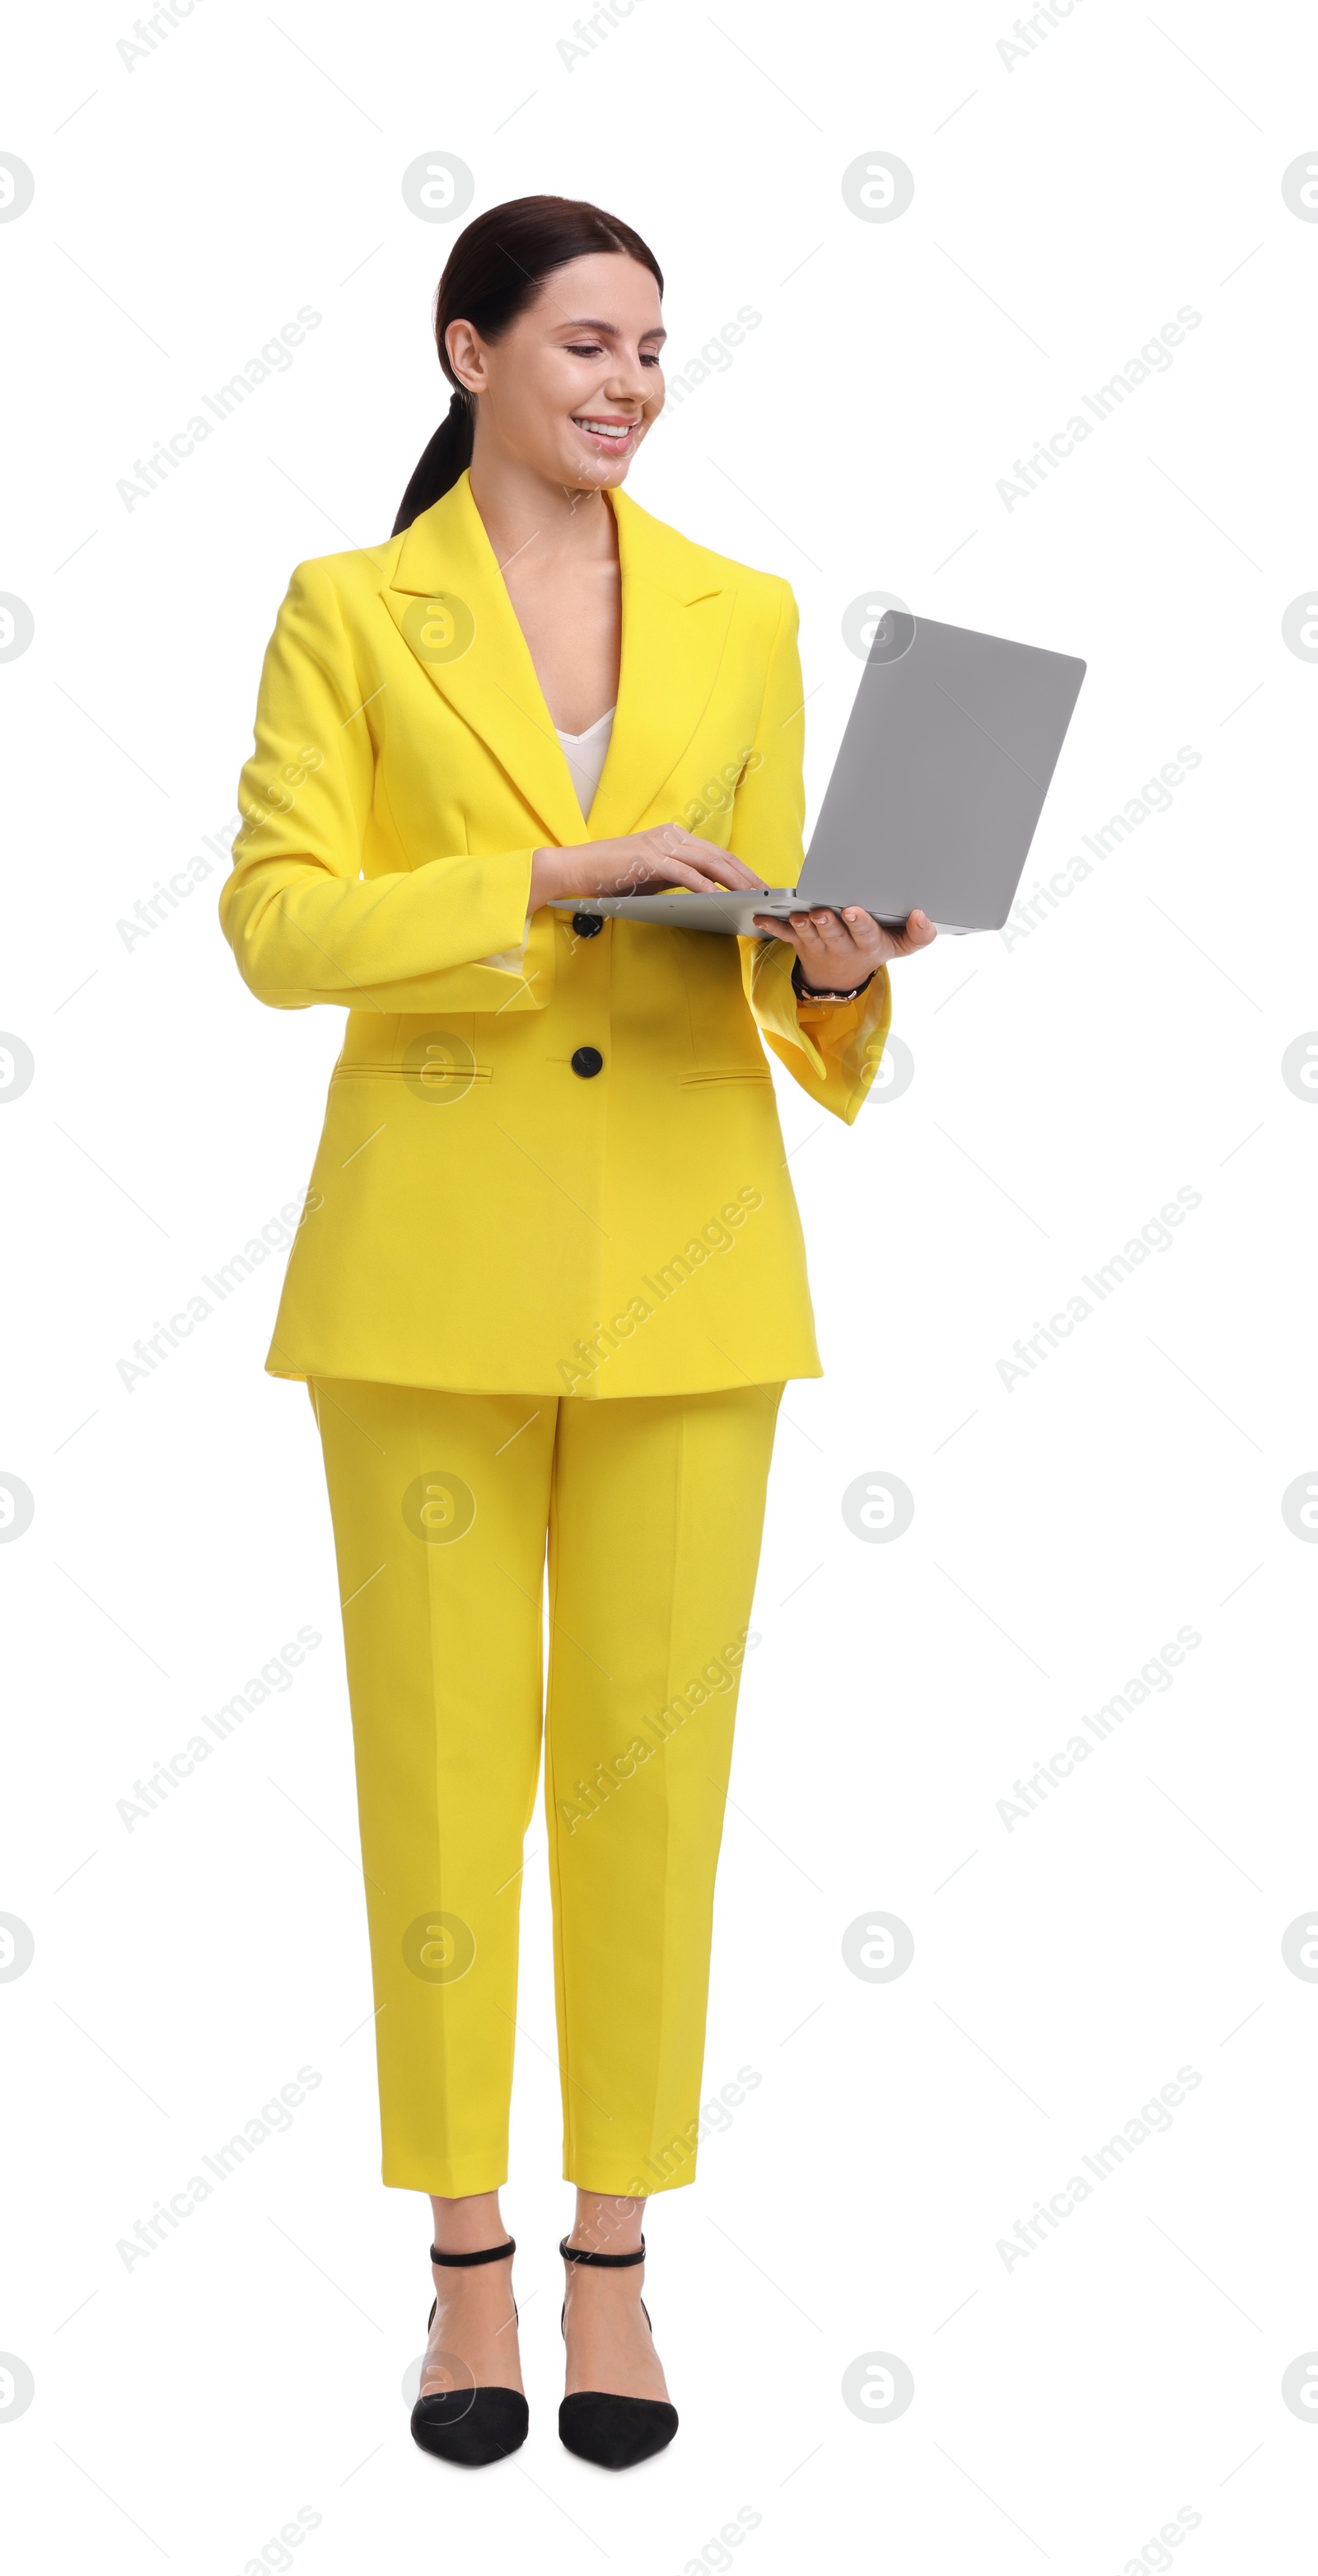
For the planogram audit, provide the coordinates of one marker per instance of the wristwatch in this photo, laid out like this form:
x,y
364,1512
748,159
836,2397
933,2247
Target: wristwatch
x,y
813,992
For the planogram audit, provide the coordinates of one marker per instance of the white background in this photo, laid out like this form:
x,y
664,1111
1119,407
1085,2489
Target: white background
x,y
1066,1086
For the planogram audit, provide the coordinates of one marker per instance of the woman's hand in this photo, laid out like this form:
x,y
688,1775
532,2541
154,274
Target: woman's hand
x,y
839,949
639,863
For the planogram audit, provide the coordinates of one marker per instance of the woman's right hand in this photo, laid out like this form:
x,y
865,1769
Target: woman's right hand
x,y
639,863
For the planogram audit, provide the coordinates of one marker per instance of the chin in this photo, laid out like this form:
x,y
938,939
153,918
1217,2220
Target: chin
x,y
598,473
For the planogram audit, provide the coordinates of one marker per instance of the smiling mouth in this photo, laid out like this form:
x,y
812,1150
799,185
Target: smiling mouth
x,y
614,433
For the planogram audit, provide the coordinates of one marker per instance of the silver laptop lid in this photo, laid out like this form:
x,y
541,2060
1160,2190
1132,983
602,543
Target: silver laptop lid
x,y
941,775
935,793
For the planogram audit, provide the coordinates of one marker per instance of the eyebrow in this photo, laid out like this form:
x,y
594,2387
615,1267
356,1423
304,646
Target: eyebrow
x,y
609,329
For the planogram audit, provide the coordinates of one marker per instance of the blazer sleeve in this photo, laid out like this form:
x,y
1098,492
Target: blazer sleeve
x,y
302,922
831,1048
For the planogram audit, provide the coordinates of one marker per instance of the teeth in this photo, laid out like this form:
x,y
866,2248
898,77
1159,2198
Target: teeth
x,y
608,428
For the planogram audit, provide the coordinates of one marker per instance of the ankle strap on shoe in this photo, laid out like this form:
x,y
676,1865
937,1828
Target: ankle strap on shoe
x,y
613,2262
486,2254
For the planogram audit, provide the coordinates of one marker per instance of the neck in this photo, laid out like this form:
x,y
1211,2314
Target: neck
x,y
521,508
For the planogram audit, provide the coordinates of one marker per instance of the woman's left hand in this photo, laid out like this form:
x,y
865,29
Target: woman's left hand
x,y
839,949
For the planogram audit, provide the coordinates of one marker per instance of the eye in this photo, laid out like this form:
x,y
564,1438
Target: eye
x,y
649,357
591,349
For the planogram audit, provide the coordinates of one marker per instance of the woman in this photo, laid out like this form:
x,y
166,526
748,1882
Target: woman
x,y
549,1279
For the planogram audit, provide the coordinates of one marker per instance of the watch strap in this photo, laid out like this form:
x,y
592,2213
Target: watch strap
x,y
821,993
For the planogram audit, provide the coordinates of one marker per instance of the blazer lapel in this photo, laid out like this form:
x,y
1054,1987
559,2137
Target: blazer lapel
x,y
448,599
674,629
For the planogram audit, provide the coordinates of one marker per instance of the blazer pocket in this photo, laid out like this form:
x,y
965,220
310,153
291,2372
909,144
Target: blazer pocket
x,y
723,1074
431,1077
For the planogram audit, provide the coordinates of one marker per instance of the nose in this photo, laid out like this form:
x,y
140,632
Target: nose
x,y
630,382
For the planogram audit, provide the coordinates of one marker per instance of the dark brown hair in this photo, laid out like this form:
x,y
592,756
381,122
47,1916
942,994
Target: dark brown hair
x,y
493,272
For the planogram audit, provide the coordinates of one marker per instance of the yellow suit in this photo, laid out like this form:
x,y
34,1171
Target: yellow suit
x,y
492,1234
481,1217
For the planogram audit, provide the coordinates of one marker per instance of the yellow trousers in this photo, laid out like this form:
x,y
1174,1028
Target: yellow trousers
x,y
652,1508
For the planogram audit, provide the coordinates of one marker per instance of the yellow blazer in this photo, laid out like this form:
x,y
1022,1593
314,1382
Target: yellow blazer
x,y
481,1216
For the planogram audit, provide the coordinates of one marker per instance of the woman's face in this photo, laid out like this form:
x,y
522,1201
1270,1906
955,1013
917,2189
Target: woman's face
x,y
574,384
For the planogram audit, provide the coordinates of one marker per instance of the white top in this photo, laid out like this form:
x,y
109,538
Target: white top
x,y
585,755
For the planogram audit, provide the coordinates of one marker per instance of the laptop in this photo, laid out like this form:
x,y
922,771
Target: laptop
x,y
935,795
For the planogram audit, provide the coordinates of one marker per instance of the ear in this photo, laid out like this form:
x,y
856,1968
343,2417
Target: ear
x,y
466,356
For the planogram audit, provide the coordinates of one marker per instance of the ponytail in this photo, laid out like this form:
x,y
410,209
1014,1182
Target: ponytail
x,y
493,272
442,463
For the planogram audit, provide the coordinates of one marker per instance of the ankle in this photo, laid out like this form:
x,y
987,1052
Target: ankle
x,y
469,2225
606,2224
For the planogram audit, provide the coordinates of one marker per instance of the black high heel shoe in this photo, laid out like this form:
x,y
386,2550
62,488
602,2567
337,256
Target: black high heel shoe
x,y
471,2426
615,2432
